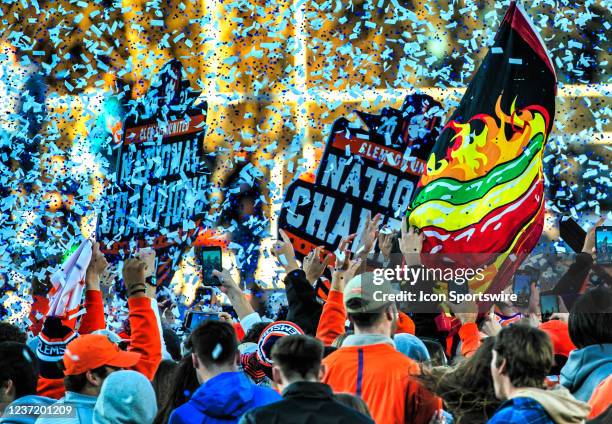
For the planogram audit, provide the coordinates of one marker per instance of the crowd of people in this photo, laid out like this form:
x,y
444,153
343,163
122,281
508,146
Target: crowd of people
x,y
342,357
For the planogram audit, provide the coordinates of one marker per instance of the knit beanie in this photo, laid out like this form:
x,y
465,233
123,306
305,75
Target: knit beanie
x,y
52,341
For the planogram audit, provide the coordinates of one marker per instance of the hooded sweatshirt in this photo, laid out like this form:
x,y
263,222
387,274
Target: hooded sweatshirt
x,y
223,399
559,404
126,397
22,418
585,369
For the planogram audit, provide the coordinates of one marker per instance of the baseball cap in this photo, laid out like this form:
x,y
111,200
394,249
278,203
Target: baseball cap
x,y
92,351
365,293
270,335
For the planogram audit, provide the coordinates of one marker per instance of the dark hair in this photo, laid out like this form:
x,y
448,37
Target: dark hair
x,y
365,319
467,389
298,354
252,336
590,320
76,383
184,382
173,343
528,352
19,364
163,381
11,333
328,350
214,343
353,402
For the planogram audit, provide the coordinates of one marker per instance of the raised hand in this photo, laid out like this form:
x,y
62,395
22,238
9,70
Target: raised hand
x,y
284,253
97,266
369,235
410,243
385,243
134,277
314,266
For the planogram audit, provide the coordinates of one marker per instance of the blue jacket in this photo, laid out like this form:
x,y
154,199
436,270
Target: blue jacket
x,y
83,410
25,400
585,369
522,410
223,399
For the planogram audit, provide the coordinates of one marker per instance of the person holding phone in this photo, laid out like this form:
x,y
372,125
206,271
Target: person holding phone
x,y
574,281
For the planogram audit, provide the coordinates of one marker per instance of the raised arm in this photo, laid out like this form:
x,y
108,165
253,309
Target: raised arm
x,y
94,306
145,336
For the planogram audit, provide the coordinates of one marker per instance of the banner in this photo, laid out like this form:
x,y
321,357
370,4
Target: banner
x,y
157,193
483,189
362,171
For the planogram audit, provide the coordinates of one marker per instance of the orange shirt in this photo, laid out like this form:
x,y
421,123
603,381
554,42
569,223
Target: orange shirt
x,y
601,399
382,377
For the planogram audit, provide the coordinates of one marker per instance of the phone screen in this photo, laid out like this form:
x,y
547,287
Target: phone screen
x,y
549,304
195,318
603,244
522,287
572,233
211,260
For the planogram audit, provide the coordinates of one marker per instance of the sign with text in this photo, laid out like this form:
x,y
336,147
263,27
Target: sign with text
x,y
362,172
157,192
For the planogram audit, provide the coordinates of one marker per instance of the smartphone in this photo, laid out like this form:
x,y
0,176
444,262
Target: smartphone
x,y
572,233
549,304
603,244
195,318
522,286
211,260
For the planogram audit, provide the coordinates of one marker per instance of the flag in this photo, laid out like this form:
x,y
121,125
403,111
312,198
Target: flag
x,y
69,282
482,193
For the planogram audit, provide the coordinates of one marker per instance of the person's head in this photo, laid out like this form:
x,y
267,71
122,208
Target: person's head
x,y
252,336
411,346
467,389
184,381
214,349
274,332
590,320
126,397
173,343
18,371
11,333
297,358
90,359
522,357
353,402
163,381
368,307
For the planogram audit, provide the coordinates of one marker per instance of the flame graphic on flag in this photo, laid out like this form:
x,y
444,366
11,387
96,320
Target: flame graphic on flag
x,y
473,155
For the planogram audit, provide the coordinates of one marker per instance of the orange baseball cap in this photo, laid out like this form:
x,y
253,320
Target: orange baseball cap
x,y
92,351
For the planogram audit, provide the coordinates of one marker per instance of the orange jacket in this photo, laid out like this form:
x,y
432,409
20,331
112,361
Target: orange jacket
x,y
601,399
145,337
382,377
470,339
333,319
94,316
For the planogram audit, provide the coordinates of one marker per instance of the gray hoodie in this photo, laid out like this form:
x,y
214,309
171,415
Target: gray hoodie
x,y
126,397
